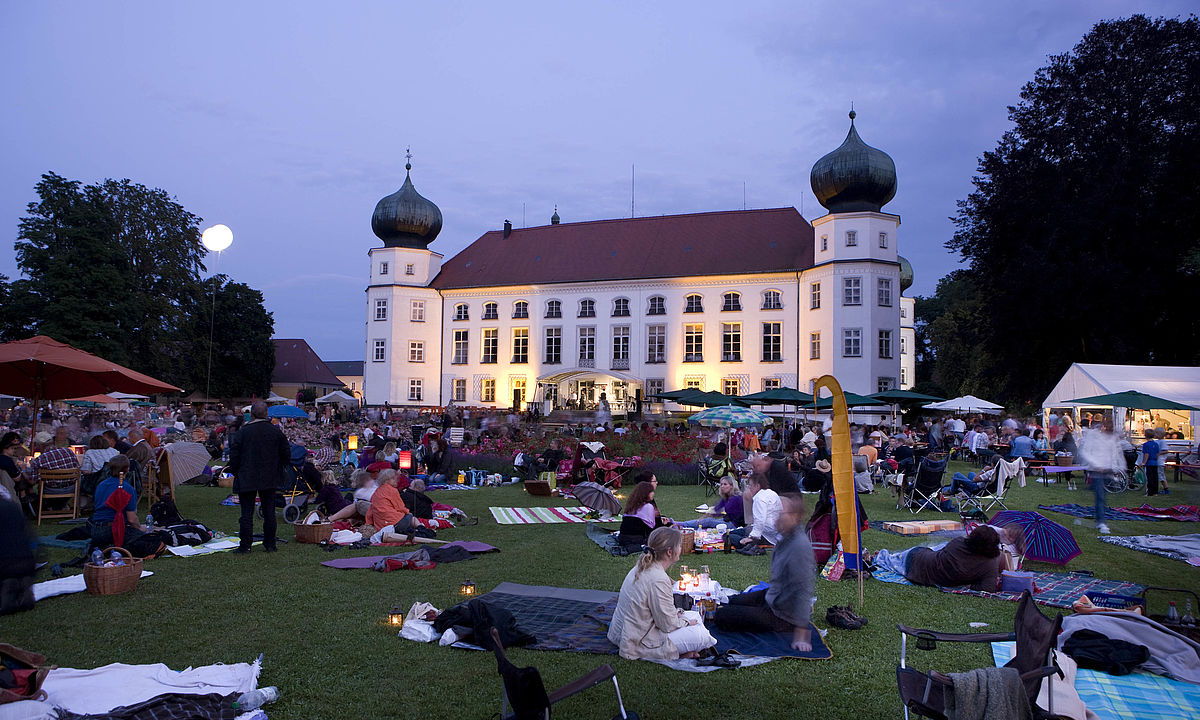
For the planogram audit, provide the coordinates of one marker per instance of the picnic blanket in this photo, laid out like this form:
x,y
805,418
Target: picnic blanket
x,y
538,515
1185,548
368,562
51,541
605,539
1181,513
1138,695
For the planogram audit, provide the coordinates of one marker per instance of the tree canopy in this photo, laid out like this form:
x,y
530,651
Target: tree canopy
x,y
1081,237
114,268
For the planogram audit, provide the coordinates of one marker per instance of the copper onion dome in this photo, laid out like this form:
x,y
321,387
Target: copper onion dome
x,y
855,177
405,219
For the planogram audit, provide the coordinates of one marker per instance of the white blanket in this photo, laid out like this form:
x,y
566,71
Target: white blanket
x,y
64,586
111,686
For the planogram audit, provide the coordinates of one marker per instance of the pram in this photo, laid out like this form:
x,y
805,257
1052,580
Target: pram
x,y
298,490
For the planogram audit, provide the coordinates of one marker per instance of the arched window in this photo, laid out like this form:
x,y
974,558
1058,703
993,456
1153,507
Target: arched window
x,y
587,308
695,304
621,307
461,312
772,300
553,308
731,301
520,310
491,311
658,306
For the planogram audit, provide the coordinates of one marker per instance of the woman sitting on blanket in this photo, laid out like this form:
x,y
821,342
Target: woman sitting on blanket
x,y
388,516
646,624
728,511
974,560
364,489
641,516
330,496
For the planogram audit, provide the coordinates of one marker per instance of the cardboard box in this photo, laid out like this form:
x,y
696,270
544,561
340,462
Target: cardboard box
x,y
922,527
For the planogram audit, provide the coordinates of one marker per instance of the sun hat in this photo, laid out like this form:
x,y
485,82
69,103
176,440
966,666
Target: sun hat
x,y
823,466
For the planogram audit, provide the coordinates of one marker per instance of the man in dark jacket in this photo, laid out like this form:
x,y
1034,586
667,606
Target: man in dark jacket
x,y
258,457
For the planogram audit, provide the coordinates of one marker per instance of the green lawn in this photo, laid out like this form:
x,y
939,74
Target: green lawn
x,y
325,645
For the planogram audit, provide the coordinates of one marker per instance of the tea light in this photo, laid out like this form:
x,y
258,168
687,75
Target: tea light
x,y
468,587
396,617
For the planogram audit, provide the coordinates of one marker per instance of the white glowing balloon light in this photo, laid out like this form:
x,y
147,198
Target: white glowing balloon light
x,y
217,238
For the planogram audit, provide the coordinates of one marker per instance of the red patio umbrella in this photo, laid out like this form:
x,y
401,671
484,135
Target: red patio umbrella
x,y
43,368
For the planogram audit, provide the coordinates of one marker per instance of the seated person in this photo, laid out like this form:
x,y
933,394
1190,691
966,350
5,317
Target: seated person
x,y
871,453
787,604
330,495
646,623
388,454
1022,446
417,501
719,465
902,453
103,518
728,510
548,461
776,472
862,475
364,485
640,517
973,560
388,514
764,509
821,475
441,464
99,452
973,484
1041,448
56,454
822,450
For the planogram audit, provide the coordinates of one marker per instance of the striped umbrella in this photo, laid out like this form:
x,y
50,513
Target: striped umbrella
x,y
730,416
1045,540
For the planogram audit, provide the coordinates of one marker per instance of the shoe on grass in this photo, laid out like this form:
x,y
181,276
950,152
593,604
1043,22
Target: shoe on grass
x,y
1103,528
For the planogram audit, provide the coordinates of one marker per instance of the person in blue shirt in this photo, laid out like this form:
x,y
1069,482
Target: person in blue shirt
x,y
1022,447
102,518
1149,462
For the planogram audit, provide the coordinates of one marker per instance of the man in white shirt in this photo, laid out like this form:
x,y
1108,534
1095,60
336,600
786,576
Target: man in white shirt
x,y
810,438
979,444
765,509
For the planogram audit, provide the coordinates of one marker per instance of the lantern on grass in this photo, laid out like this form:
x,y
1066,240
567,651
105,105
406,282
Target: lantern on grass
x,y
468,587
396,617
352,442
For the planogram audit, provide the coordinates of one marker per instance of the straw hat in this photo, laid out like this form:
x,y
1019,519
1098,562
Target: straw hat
x,y
823,466
43,437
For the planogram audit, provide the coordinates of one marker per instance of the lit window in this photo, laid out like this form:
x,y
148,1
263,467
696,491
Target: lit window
x,y
409,269
731,302
520,310
459,392
852,291
731,386
383,268
587,308
695,304
852,343
416,351
518,388
491,345
885,344
554,309
772,300
656,344
772,342
416,311
693,382
851,238
587,344
620,307
658,306
885,292
883,240
461,312
553,346
655,387
381,309
814,294
461,348
380,351
491,311
731,342
520,345
414,389
814,346
487,391
693,343
621,343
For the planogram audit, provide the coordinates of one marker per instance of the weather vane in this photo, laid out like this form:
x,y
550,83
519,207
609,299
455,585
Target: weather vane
x,y
408,158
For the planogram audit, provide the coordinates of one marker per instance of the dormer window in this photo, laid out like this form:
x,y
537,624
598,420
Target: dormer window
x,y
554,308
658,306
731,302
620,307
695,304
772,300
587,308
461,312
491,311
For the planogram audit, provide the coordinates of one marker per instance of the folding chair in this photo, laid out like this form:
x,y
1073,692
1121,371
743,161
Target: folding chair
x,y
58,485
996,488
706,479
1035,636
524,690
926,487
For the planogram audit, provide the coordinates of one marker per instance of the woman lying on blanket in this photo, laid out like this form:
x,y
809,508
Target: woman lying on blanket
x,y
973,560
641,516
728,511
646,624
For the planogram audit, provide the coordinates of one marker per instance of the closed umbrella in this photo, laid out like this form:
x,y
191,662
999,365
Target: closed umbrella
x,y
730,416
596,497
117,501
186,460
1045,540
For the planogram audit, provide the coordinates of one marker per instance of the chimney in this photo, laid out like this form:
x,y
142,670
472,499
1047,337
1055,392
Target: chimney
x,y
507,228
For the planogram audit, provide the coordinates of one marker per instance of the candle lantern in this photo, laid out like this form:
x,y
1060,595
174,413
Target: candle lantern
x,y
352,442
468,587
396,617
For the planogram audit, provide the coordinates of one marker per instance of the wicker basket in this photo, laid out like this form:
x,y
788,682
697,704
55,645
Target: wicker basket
x,y
225,481
101,580
319,533
1064,460
689,543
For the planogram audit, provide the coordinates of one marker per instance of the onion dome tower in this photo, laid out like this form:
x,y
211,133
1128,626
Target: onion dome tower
x,y
906,273
405,218
856,177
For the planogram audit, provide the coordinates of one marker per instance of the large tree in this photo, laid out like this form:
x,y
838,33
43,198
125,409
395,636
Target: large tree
x,y
114,268
1083,220
243,355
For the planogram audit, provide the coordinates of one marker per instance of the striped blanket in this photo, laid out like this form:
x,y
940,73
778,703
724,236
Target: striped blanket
x,y
1181,513
538,515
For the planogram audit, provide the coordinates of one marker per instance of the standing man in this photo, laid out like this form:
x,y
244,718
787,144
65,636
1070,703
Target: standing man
x,y
258,456
1100,452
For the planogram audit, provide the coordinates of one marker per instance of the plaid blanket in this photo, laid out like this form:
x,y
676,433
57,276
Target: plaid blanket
x,y
1087,511
1060,589
1182,513
605,539
1146,544
1137,695
538,515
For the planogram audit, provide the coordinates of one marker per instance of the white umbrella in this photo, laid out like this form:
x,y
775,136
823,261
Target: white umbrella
x,y
966,404
186,460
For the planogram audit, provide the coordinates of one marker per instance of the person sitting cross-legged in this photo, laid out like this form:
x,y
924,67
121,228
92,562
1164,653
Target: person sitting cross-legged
x,y
728,510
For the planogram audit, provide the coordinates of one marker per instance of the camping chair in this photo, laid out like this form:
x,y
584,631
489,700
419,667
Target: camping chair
x,y
58,485
926,487
705,478
995,489
523,688
1035,636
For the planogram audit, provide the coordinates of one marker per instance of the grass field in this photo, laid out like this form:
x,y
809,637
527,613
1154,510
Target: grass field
x,y
325,644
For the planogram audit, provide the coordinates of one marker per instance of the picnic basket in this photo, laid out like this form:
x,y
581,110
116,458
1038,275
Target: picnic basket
x,y
112,580
1064,460
316,533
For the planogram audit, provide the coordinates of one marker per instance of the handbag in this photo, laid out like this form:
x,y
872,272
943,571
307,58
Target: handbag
x,y
21,674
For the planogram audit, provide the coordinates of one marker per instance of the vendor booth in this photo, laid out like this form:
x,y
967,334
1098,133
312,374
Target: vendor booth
x,y
1084,380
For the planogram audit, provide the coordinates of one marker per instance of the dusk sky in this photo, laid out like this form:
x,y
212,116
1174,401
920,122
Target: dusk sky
x,y
287,121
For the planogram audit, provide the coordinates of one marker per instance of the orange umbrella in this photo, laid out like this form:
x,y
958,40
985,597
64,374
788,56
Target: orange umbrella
x,y
44,369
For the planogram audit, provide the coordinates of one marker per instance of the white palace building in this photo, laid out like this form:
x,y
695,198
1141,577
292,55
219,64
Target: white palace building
x,y
735,301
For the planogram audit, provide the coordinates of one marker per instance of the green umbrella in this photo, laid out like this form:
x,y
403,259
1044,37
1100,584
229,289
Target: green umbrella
x,y
141,403
727,416
712,398
852,400
898,396
83,403
676,394
1133,400
778,396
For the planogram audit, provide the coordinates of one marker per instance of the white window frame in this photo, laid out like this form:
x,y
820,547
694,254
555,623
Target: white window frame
x,y
814,346
520,310
824,243
852,342
380,351
655,386
587,308
731,386
416,390
620,342
883,384
620,307
656,305
416,351
383,268
553,347
381,310
458,389
416,311
461,347
883,289
772,341
883,240
491,311
489,350
885,344
656,344
731,342
520,345
772,383
852,291
462,311
554,308
410,269
731,302
693,303
814,296
851,238
693,339
772,300
487,390
587,343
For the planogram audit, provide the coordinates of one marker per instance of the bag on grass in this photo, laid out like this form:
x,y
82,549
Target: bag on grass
x,y
21,674
165,513
186,533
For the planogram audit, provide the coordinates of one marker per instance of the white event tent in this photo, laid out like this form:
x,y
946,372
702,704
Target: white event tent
x,y
966,404
1181,384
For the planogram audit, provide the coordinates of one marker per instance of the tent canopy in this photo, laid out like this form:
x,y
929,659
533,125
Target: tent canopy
x,y
966,404
1134,400
1083,380
339,397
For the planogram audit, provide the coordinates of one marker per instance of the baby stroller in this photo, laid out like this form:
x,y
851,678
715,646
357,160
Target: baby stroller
x,y
298,490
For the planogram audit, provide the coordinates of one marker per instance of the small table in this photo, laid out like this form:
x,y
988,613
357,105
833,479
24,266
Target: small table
x,y
1047,469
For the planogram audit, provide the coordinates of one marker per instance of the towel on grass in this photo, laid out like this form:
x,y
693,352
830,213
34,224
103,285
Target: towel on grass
x,y
116,685
988,694
1185,548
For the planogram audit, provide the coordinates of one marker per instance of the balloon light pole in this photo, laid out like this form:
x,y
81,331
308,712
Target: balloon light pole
x,y
216,239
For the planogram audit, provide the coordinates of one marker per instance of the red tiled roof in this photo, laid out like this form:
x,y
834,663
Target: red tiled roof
x,y
715,243
297,363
